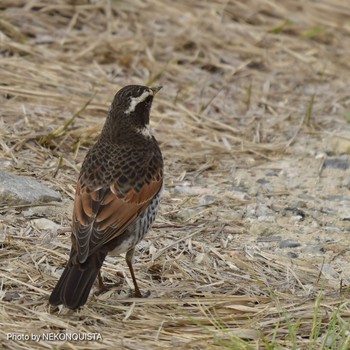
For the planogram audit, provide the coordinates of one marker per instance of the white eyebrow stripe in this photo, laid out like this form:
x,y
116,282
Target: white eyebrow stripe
x,y
136,100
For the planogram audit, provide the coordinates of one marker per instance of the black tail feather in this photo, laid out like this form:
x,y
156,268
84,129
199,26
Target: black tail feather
x,y
73,288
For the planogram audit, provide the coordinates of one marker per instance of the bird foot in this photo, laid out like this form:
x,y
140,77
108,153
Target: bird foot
x,y
103,287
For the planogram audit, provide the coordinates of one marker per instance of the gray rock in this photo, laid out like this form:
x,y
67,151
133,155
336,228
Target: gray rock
x,y
187,214
330,340
28,213
24,190
206,200
338,198
292,255
239,195
296,218
314,248
254,210
269,239
337,163
332,229
183,190
45,225
263,229
289,243
262,181
267,218
5,163
295,211
327,269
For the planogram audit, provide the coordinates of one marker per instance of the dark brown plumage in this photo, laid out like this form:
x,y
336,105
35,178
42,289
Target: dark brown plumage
x,y
117,195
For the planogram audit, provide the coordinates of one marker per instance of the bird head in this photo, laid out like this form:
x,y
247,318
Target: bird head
x,y
132,105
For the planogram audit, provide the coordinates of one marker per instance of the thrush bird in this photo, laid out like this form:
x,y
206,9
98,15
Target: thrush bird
x,y
117,195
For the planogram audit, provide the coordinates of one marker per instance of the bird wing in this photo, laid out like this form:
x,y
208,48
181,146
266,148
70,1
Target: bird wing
x,y
102,214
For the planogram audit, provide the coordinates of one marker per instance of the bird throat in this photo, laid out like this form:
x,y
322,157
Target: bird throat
x,y
145,131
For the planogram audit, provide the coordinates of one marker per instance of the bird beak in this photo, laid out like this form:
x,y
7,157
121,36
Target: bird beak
x,y
156,89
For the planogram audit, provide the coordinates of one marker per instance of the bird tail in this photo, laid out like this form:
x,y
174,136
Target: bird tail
x,y
73,288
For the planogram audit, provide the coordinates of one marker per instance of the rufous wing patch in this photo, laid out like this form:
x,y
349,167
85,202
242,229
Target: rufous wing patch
x,y
103,214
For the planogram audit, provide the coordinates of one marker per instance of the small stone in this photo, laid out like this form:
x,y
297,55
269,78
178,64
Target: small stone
x,y
330,340
202,259
5,163
325,210
28,213
206,200
295,219
258,210
311,226
289,243
237,195
335,197
320,155
262,181
45,225
11,296
55,212
269,239
337,163
314,248
332,229
183,190
262,229
305,196
18,190
339,144
187,214
292,255
297,212
329,270
264,210
267,218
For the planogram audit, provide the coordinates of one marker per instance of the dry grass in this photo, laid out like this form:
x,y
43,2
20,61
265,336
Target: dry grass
x,y
243,82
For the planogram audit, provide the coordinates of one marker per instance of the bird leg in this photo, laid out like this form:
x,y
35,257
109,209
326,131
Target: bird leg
x,y
129,259
101,285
